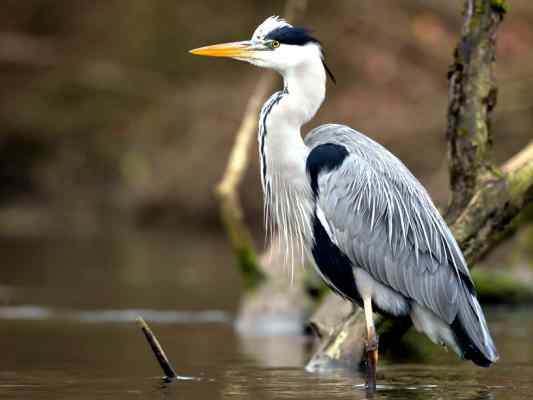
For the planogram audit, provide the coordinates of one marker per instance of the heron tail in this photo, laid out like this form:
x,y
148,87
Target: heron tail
x,y
471,332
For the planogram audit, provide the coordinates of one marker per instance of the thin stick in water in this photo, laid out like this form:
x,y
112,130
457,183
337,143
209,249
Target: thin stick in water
x,y
159,354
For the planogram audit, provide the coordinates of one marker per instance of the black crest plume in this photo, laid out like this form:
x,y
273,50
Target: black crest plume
x,y
298,36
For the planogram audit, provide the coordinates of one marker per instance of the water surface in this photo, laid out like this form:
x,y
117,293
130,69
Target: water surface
x,y
67,331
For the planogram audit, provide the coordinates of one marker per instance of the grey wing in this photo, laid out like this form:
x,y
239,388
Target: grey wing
x,y
382,218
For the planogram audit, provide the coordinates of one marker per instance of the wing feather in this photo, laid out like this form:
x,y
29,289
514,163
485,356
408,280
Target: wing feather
x,y
385,222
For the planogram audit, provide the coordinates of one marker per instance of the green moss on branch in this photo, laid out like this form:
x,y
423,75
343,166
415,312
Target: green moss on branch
x,y
248,265
501,6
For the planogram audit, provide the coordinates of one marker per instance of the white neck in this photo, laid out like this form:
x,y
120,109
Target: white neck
x,y
304,92
288,196
306,85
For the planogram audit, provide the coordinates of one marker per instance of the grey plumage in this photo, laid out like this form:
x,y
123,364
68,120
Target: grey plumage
x,y
382,218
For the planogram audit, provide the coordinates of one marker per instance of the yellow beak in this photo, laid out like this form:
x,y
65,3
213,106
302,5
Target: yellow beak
x,y
233,50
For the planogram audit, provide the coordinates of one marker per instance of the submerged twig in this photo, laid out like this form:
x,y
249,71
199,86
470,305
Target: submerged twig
x,y
159,354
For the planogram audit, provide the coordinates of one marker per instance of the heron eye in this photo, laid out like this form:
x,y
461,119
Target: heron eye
x,y
275,44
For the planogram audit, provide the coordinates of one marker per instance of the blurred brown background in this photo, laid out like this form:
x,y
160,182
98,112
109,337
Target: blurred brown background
x,y
112,138
105,117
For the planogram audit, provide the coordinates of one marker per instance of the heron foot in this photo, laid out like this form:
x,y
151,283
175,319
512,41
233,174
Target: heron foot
x,y
371,346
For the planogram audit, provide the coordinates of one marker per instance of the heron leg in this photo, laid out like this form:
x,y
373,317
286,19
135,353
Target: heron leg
x,y
371,345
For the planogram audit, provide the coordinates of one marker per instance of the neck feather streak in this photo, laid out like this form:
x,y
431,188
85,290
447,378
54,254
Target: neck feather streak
x,y
288,199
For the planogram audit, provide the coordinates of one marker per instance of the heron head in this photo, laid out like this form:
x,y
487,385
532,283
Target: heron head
x,y
275,44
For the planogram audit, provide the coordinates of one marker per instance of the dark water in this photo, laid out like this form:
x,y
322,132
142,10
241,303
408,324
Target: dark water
x,y
67,331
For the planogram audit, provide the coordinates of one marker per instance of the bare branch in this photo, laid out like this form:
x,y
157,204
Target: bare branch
x,y
489,216
519,159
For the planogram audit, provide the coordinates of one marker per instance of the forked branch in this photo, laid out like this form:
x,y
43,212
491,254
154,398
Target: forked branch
x,y
489,215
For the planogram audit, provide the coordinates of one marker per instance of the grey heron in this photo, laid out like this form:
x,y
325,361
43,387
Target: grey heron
x,y
370,227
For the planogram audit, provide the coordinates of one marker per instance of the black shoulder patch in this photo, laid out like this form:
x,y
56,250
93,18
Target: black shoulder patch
x,y
333,264
324,157
291,35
